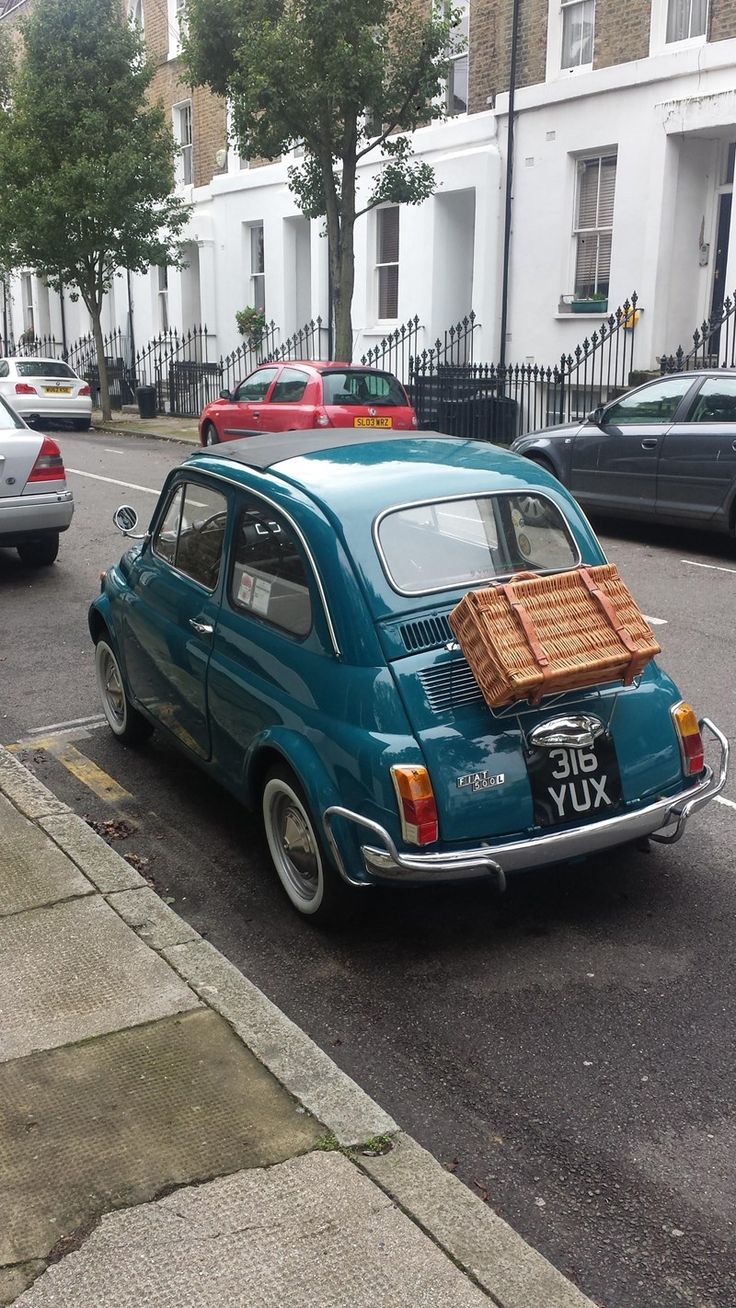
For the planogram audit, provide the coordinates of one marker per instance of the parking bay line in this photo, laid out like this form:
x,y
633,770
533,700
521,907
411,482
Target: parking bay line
x,y
114,481
713,567
81,767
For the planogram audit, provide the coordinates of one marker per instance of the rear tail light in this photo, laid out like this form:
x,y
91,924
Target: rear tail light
x,y
23,388
85,390
417,806
49,465
691,741
321,419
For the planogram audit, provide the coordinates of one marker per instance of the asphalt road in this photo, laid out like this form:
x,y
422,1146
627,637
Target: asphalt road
x,y
568,1049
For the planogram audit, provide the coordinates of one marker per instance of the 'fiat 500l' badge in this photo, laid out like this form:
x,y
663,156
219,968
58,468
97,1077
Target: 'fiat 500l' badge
x,y
481,780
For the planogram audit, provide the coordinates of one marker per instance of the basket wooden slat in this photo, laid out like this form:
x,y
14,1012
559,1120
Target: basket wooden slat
x,y
538,635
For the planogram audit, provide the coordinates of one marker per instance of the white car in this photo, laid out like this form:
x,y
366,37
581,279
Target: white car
x,y
35,502
46,389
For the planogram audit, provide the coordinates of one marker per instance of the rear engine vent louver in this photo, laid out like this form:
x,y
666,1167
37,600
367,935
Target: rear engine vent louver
x,y
426,633
448,685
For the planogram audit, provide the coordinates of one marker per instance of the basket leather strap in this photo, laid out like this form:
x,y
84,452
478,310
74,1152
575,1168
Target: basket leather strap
x,y
609,609
527,624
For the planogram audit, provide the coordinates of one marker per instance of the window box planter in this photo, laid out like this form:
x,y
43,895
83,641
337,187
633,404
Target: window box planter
x,y
589,306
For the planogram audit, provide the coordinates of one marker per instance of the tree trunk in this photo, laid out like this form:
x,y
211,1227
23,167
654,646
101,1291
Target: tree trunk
x,y
343,293
101,365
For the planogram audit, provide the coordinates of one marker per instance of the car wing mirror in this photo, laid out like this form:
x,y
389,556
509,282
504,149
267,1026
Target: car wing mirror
x,y
225,395
596,416
126,520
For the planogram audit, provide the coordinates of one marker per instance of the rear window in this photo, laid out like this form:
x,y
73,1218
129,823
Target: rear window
x,y
379,389
449,544
8,417
43,368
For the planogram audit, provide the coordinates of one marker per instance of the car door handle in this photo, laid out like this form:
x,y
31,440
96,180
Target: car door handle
x,y
256,413
650,443
201,628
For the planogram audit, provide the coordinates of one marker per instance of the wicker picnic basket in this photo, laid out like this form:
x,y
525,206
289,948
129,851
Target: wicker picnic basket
x,y
537,635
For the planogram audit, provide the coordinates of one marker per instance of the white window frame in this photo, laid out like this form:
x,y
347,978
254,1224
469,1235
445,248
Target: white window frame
x,y
602,229
162,296
390,263
257,266
461,60
555,27
183,127
26,290
658,43
174,20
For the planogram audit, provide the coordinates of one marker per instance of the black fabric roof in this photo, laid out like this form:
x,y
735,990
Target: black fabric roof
x,y
264,449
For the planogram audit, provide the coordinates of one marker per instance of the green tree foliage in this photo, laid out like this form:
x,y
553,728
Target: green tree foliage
x,y
343,77
86,162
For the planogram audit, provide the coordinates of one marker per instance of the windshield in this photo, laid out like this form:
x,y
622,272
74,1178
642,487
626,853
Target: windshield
x,y
354,386
448,544
43,368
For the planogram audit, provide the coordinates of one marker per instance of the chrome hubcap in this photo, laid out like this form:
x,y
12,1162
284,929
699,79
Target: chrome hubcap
x,y
299,856
112,689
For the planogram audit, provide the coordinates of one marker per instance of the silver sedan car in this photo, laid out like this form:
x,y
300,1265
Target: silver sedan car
x,y
36,504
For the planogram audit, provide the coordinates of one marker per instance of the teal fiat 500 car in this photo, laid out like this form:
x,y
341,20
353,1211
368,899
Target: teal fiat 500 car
x,y
284,620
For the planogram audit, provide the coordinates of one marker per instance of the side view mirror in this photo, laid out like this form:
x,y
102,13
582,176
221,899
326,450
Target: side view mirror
x,y
225,395
596,416
126,520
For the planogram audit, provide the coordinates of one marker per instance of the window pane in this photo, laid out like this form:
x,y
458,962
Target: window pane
x,y
269,578
290,387
256,249
388,235
43,368
202,534
254,387
577,33
716,401
460,543
355,387
164,542
388,292
655,403
457,90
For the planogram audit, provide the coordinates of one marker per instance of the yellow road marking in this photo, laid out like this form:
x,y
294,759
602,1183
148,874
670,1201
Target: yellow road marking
x,y
82,768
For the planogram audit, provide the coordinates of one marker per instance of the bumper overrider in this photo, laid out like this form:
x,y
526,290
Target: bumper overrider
x,y
664,821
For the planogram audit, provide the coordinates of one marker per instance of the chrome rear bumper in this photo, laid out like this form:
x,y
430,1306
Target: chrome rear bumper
x,y
664,820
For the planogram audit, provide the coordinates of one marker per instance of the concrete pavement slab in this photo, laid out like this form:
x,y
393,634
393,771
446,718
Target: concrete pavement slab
x,y
471,1233
35,872
151,919
76,970
300,1065
311,1232
28,794
113,1121
102,865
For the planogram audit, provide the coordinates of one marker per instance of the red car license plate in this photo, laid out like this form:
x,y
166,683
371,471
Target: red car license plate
x,y
373,422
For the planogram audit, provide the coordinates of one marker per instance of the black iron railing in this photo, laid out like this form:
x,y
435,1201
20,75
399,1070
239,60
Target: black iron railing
x,y
395,352
487,401
312,341
714,343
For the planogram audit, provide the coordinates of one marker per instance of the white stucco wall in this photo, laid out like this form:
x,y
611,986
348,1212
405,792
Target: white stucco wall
x,y
668,118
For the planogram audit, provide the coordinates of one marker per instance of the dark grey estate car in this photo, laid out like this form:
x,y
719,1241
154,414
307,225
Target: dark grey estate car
x,y
665,451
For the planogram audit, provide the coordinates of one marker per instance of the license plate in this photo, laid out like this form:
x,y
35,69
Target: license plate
x,y
570,784
58,390
373,422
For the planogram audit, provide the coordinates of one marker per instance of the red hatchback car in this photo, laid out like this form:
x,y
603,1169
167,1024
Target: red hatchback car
x,y
302,395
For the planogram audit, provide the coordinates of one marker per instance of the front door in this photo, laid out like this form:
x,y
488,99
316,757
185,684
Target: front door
x,y
242,413
173,613
697,466
614,466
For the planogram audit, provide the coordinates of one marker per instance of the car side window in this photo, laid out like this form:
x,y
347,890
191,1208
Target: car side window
x,y
269,578
4,369
290,387
715,401
655,403
254,388
192,533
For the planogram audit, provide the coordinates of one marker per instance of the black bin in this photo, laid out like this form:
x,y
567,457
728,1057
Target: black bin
x,y
146,397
